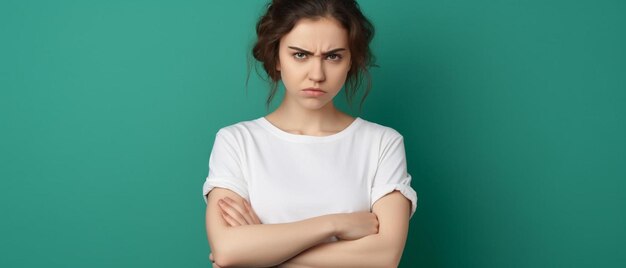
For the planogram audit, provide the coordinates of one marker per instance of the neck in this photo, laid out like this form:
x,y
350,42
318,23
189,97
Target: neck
x,y
295,118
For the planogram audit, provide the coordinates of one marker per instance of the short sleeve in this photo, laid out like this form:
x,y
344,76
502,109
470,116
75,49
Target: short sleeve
x,y
225,166
392,174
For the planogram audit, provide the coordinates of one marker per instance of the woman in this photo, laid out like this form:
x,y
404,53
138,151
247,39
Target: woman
x,y
308,185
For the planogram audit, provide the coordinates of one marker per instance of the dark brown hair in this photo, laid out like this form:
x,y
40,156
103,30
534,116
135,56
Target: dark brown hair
x,y
282,15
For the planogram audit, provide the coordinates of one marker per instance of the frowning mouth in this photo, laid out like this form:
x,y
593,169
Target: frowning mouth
x,y
313,92
314,89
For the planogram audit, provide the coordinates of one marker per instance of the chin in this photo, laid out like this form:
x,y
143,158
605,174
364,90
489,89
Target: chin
x,y
313,104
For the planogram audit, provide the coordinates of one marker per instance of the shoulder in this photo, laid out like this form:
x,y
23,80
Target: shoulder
x,y
379,131
239,130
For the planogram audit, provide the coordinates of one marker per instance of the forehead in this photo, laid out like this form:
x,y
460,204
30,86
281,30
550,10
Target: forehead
x,y
313,34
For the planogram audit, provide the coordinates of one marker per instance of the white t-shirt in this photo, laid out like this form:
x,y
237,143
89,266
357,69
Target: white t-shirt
x,y
288,177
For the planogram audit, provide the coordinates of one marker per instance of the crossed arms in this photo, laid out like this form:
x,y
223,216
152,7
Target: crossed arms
x,y
299,244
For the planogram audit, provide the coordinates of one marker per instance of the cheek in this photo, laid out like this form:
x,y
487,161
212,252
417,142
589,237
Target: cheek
x,y
340,71
293,70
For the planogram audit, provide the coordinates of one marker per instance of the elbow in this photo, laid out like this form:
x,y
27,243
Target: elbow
x,y
395,259
391,256
393,262
222,253
224,256
228,255
226,252
389,261
222,260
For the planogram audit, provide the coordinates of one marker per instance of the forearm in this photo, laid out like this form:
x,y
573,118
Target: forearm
x,y
264,245
369,251
383,249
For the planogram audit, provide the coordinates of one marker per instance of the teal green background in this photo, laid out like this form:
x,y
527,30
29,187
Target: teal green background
x,y
513,114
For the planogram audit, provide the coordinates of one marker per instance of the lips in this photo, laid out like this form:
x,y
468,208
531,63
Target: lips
x,y
314,89
313,92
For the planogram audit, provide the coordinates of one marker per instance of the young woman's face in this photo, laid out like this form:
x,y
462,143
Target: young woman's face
x,y
314,54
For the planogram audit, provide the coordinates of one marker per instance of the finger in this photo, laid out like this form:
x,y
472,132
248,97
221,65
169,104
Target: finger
x,y
243,210
223,213
232,222
234,210
255,217
244,214
232,213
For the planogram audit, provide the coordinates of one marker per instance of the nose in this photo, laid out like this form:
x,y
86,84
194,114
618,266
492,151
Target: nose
x,y
316,73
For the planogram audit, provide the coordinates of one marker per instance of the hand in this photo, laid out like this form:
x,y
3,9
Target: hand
x,y
237,215
355,225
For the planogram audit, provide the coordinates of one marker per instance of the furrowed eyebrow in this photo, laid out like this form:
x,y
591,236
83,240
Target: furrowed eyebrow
x,y
323,53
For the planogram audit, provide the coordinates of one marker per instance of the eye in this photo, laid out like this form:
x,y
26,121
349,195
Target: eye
x,y
337,57
299,55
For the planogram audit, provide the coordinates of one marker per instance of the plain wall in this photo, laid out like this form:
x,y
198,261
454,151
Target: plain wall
x,y
513,114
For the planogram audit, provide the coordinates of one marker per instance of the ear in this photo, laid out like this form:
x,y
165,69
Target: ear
x,y
278,66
